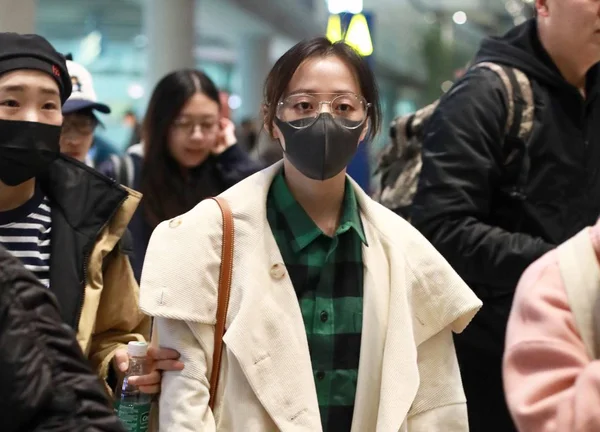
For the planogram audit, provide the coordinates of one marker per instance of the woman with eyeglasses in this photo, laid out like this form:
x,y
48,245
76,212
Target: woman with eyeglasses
x,y
189,153
341,314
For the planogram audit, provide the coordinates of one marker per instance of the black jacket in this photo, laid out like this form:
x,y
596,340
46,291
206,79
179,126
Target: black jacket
x,y
488,239
46,383
82,202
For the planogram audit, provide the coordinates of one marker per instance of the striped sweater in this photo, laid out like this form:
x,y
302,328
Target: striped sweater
x,y
25,233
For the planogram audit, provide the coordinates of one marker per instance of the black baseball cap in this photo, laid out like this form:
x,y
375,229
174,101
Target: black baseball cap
x,y
30,51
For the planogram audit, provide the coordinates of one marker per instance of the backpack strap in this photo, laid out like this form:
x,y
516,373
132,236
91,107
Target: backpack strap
x,y
521,108
519,121
115,160
507,83
522,127
123,169
128,171
581,275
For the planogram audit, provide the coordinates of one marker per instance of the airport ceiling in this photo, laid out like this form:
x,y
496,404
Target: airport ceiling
x,y
398,33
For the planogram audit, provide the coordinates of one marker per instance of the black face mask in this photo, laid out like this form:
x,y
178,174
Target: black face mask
x,y
26,150
323,149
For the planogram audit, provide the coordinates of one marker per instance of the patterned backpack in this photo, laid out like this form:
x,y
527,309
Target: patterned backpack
x,y
400,162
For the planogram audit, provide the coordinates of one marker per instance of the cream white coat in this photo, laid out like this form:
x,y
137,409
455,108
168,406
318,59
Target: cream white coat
x,y
408,374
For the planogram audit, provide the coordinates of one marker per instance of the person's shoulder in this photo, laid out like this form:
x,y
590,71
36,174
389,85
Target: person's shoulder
x,y
481,82
204,219
181,268
439,296
393,227
401,236
477,101
136,150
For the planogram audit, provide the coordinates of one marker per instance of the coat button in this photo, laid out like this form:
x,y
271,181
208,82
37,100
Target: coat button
x,y
174,223
277,271
324,316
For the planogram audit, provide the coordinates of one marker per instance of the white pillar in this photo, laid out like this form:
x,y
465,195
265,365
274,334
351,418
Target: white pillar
x,y
169,26
17,16
254,65
447,26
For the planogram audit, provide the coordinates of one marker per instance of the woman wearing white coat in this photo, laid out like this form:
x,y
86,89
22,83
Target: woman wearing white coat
x,y
341,314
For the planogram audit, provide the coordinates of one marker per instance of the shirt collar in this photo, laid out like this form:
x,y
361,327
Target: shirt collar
x,y
302,227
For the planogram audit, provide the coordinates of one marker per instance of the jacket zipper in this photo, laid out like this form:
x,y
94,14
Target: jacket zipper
x,y
86,258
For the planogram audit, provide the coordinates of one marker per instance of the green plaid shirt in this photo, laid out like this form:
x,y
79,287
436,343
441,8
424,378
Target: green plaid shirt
x,y
327,274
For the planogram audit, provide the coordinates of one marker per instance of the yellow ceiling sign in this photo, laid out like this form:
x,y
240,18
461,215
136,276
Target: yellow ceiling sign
x,y
358,34
334,28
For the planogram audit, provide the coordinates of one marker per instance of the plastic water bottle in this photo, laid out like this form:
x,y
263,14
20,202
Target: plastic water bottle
x,y
131,405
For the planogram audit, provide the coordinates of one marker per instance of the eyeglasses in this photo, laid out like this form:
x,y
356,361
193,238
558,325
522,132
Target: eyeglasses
x,y
302,110
79,125
187,126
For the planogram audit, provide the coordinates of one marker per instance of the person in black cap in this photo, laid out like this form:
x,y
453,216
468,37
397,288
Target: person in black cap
x,y
64,220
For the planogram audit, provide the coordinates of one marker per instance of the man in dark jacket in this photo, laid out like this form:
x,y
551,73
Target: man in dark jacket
x,y
488,237
47,383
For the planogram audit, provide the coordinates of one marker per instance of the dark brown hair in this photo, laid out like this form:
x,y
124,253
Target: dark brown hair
x,y
284,69
168,190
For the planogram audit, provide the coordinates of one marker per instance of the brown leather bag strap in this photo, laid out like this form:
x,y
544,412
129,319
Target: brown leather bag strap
x,y
225,275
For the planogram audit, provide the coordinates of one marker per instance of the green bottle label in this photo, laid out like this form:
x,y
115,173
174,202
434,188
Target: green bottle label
x,y
134,416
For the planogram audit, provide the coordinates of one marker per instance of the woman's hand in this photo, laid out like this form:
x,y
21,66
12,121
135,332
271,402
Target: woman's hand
x,y
159,359
226,137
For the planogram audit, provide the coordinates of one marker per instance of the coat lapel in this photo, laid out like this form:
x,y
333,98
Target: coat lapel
x,y
267,335
268,339
388,374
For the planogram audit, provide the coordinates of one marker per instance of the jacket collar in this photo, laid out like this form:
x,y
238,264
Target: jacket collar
x,y
82,203
300,225
86,198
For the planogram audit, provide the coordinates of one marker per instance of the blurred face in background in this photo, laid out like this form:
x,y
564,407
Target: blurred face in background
x,y
78,135
194,132
130,120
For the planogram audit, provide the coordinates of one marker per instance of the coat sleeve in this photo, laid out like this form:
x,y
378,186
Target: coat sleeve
x,y
440,404
185,394
119,319
551,383
462,159
179,289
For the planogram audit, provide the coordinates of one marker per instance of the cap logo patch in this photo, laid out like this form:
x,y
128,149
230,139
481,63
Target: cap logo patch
x,y
56,71
76,84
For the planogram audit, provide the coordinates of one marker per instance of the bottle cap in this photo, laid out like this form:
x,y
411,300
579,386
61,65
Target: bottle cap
x,y
137,349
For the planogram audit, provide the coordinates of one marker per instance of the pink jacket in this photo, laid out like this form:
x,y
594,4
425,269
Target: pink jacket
x,y
551,383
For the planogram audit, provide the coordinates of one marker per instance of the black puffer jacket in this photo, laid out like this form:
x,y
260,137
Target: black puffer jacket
x,y
45,381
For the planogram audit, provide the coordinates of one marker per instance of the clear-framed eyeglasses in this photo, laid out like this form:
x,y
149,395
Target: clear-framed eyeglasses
x,y
302,110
